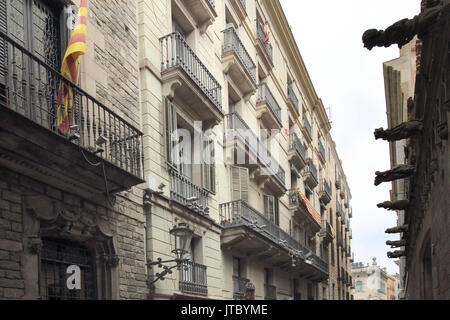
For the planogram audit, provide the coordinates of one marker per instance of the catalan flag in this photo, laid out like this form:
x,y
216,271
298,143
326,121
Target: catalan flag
x,y
311,209
69,68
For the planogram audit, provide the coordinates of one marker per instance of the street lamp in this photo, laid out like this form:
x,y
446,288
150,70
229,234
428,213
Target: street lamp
x,y
182,237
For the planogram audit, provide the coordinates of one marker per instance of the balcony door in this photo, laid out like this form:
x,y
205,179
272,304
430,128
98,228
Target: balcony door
x,y
36,26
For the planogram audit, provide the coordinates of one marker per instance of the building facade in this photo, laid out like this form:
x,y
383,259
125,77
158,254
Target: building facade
x,y
69,198
419,126
371,281
227,76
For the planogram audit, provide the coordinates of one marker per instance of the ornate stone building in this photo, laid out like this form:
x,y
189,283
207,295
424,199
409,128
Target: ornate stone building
x,y
69,199
420,126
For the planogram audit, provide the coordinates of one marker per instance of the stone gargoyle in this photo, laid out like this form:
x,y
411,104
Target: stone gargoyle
x,y
397,229
403,31
398,172
396,244
396,254
394,205
402,131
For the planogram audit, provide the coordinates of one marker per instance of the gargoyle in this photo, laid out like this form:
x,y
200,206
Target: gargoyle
x,y
399,243
402,31
398,172
396,205
402,131
396,254
397,229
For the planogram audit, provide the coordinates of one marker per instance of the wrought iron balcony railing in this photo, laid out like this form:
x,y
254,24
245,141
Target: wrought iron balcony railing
x,y
270,292
325,186
30,87
239,287
262,37
322,150
266,96
295,143
338,183
327,229
338,208
311,168
188,194
307,125
293,97
232,43
175,52
296,200
193,278
212,3
240,128
237,213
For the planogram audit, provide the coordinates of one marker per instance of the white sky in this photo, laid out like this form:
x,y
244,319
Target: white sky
x,y
349,79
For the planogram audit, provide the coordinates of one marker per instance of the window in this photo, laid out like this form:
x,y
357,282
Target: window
x,y
239,183
237,267
332,253
271,209
56,256
358,286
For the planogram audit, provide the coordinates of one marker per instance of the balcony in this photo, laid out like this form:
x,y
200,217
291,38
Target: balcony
x,y
248,232
310,174
193,278
250,152
238,63
342,194
325,191
338,208
239,287
297,152
338,183
31,143
270,292
322,154
240,7
327,231
292,99
351,234
306,128
346,202
303,211
263,46
187,194
268,109
188,82
193,13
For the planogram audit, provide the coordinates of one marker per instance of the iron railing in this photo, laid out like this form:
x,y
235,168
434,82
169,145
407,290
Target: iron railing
x,y
188,194
212,3
338,208
30,87
236,213
311,168
295,143
175,52
293,97
338,183
266,96
307,125
262,37
327,229
238,127
325,186
270,292
322,150
193,278
239,287
232,43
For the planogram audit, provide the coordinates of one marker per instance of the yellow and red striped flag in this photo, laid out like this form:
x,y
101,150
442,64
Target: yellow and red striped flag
x,y
69,68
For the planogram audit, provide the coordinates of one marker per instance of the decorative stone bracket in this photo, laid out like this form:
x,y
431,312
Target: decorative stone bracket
x,y
396,205
398,172
402,131
397,229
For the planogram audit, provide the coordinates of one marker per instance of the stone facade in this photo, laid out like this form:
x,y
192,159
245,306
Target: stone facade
x,y
371,282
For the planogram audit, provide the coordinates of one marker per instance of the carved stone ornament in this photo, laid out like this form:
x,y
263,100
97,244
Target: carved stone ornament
x,y
249,291
34,244
398,243
396,254
397,229
402,31
395,205
57,216
398,172
111,260
402,131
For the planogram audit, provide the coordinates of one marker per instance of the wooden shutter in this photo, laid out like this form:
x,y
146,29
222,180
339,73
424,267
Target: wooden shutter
x,y
3,47
239,183
269,208
171,126
208,166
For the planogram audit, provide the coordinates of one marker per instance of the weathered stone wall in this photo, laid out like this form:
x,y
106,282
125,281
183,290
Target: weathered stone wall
x,y
126,219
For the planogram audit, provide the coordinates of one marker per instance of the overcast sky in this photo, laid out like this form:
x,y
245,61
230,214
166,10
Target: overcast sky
x,y
349,80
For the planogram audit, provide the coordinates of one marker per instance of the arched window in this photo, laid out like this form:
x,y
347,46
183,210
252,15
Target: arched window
x,y
55,258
